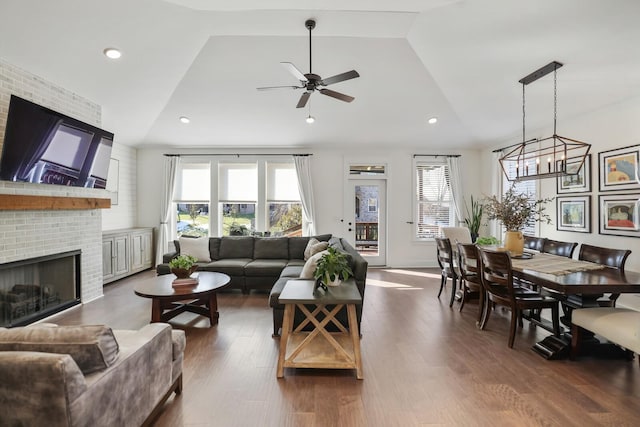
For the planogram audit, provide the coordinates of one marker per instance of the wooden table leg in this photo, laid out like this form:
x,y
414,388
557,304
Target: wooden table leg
x,y
213,309
156,310
287,326
355,338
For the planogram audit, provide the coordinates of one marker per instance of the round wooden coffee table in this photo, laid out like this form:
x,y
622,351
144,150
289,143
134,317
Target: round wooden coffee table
x,y
168,302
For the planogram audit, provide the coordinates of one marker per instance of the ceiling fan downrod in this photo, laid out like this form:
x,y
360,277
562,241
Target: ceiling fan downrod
x,y
310,24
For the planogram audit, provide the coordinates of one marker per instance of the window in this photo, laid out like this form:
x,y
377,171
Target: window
x,y
257,197
373,205
434,204
237,197
191,200
526,187
283,200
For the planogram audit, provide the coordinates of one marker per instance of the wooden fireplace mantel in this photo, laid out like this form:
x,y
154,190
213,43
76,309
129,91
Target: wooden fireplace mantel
x,y
18,202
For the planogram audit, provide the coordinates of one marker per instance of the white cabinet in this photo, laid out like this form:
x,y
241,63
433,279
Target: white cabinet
x,y
125,252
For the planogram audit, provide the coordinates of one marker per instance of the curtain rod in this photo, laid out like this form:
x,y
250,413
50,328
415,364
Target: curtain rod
x,y
437,155
235,154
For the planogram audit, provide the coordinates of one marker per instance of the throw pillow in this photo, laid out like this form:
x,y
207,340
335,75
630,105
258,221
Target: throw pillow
x,y
197,248
311,264
92,347
313,247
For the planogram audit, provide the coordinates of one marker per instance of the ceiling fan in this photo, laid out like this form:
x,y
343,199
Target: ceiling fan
x,y
312,82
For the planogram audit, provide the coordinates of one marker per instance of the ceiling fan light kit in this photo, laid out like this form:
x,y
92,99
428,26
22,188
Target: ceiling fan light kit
x,y
311,82
546,157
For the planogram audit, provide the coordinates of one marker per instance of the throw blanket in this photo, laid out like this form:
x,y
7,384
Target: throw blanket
x,y
553,264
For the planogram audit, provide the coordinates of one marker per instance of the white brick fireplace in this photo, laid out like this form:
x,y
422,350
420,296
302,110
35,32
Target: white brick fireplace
x,y
33,233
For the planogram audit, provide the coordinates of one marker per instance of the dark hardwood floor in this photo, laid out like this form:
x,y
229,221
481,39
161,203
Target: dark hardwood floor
x,y
424,364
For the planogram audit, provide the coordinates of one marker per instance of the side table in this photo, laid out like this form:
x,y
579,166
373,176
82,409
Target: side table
x,y
320,348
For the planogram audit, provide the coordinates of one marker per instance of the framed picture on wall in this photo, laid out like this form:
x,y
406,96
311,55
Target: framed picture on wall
x,y
578,179
619,214
574,214
618,169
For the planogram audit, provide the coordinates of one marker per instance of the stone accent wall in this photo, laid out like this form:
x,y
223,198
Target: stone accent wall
x,y
28,234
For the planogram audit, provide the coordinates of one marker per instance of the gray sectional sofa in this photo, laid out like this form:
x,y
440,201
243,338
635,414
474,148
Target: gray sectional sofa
x,y
266,263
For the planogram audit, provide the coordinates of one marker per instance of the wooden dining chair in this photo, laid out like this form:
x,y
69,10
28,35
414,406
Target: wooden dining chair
x,y
471,283
556,247
614,258
534,243
447,266
497,280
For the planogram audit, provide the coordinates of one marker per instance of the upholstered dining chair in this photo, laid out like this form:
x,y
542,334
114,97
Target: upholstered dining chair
x,y
447,266
497,280
556,247
470,281
614,258
457,234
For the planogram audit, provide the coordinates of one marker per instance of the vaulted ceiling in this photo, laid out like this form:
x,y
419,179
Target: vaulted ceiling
x,y
456,60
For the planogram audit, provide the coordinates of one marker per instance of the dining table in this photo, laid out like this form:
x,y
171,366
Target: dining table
x,y
576,283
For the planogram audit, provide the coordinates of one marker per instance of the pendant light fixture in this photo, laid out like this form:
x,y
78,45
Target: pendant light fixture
x,y
547,157
310,119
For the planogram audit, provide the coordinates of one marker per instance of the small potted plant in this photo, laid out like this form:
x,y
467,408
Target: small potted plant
x,y
474,218
333,267
183,265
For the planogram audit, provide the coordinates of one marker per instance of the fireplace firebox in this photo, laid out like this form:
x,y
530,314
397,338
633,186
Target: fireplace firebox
x,y
35,288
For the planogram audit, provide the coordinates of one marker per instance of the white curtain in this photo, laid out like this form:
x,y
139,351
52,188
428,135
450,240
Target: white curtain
x,y
495,229
303,170
171,164
455,181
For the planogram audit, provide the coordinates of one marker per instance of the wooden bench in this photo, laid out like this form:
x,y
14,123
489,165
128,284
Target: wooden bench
x,y
621,326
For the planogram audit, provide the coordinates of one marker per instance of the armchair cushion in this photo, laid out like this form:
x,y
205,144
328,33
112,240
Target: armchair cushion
x,y
92,347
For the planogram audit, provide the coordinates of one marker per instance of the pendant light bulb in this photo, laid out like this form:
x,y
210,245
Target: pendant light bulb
x,y
310,119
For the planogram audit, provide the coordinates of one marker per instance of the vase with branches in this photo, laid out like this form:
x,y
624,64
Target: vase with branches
x,y
516,210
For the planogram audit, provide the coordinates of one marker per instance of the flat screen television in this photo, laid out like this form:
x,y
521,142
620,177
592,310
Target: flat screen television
x,y
47,147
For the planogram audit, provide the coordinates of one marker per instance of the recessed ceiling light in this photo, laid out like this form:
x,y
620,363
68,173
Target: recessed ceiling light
x,y
185,119
433,120
310,119
112,52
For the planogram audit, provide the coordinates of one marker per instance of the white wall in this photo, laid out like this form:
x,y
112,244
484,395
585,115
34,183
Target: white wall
x,y
328,170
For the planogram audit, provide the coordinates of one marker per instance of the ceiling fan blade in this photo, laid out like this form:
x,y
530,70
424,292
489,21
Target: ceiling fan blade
x,y
280,87
293,70
303,100
340,78
336,95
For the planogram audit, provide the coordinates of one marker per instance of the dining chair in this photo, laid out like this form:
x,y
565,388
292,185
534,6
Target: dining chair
x,y
471,282
614,258
447,266
497,280
535,243
457,234
556,247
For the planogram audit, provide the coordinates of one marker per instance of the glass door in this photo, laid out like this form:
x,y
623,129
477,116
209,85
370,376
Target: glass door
x,y
366,221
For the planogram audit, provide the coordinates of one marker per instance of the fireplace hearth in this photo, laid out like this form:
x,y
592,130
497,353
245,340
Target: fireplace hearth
x,y
35,288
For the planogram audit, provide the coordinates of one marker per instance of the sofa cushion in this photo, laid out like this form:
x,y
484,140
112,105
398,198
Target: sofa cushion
x,y
214,248
232,266
292,271
296,263
313,247
197,248
265,267
297,245
271,248
92,347
236,247
311,264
